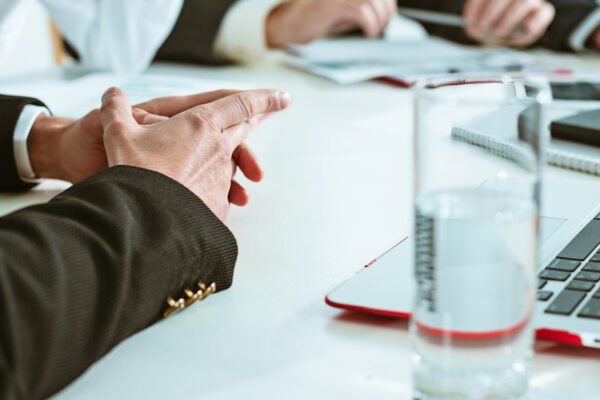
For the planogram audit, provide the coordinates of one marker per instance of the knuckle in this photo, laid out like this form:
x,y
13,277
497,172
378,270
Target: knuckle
x,y
203,120
272,103
246,104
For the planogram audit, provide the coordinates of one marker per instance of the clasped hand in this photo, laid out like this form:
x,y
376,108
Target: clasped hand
x,y
197,140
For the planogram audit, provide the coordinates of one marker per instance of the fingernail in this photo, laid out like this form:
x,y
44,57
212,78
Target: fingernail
x,y
113,91
283,99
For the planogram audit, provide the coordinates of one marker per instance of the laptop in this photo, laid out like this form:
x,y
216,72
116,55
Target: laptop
x,y
568,297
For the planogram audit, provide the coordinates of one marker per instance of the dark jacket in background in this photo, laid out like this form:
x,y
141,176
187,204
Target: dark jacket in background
x,y
191,41
193,36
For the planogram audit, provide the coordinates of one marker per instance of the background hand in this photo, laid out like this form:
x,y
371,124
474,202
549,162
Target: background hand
x,y
508,22
594,39
200,148
302,21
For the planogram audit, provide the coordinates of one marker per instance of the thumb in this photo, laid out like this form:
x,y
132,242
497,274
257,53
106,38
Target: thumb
x,y
116,109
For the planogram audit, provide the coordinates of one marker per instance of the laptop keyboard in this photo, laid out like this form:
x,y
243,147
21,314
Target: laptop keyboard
x,y
579,274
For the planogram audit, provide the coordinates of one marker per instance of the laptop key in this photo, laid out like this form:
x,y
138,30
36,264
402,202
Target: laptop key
x,y
592,267
544,295
565,302
554,275
588,276
591,309
597,294
595,258
541,283
564,265
582,286
583,244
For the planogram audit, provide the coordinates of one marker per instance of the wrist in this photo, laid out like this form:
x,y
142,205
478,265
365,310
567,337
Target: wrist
x,y
44,144
275,27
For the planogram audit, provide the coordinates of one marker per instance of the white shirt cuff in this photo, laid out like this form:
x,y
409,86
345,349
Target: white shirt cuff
x,y
585,30
21,150
242,36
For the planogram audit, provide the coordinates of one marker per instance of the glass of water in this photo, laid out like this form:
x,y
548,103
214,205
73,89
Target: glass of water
x,y
479,144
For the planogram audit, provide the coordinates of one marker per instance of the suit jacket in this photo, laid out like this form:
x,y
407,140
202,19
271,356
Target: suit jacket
x,y
93,266
193,36
10,110
569,15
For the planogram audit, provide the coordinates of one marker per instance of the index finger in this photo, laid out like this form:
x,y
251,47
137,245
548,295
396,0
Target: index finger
x,y
472,10
514,17
493,12
240,107
172,105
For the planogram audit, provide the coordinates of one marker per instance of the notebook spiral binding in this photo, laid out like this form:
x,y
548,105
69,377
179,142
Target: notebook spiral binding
x,y
505,149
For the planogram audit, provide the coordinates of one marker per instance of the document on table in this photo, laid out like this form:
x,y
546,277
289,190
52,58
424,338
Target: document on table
x,y
74,98
355,60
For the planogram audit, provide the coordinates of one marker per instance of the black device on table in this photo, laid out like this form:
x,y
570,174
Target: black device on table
x,y
583,127
576,91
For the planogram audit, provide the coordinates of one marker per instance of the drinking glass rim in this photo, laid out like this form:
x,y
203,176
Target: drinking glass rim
x,y
425,88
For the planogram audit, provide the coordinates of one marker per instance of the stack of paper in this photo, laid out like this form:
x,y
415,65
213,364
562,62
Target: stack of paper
x,y
355,60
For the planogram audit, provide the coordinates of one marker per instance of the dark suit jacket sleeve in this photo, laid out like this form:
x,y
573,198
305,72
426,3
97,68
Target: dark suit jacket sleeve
x,y
569,15
192,39
10,110
95,265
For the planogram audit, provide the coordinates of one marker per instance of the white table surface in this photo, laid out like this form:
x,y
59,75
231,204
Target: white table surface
x,y
333,198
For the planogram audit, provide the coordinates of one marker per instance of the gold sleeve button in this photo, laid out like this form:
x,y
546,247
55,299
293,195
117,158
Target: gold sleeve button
x,y
174,306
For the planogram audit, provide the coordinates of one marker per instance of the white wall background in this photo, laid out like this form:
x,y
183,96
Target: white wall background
x,y
33,50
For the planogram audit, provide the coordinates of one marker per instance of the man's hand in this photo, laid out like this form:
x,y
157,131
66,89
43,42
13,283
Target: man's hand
x,y
200,148
73,150
66,149
594,39
302,21
508,22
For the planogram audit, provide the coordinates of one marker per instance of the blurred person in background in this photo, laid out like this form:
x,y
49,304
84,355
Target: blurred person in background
x,y
126,36
563,25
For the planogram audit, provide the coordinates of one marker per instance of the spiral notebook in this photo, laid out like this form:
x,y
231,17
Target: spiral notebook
x,y
560,153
